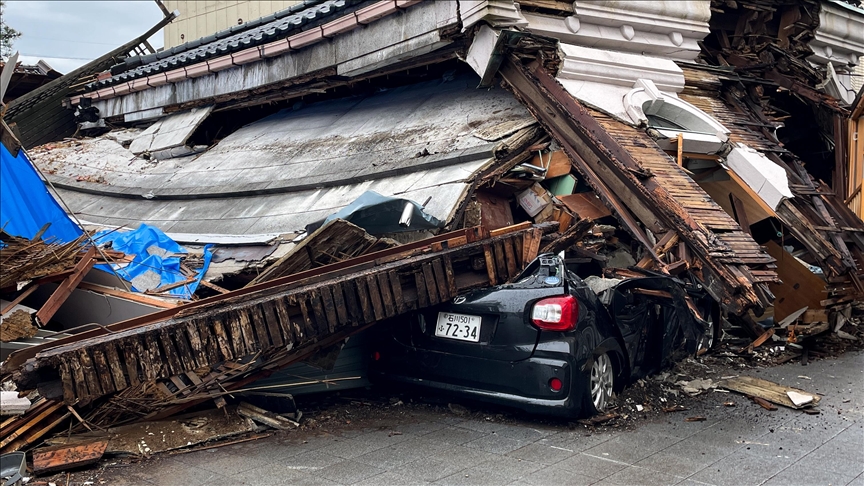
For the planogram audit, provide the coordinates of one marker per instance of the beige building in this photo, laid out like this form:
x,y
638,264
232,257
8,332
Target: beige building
x,y
202,18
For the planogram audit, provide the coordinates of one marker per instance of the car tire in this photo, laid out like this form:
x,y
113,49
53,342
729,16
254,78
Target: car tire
x,y
601,384
712,335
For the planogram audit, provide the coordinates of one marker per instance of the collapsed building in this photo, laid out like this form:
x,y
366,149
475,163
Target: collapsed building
x,y
698,139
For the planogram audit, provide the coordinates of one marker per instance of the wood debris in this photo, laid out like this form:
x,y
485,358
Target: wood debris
x,y
59,458
266,417
765,390
149,365
23,260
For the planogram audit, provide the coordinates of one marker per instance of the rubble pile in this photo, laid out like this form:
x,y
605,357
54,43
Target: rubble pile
x,y
302,207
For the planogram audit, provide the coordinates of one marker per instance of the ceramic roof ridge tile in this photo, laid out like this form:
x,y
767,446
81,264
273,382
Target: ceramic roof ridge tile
x,y
197,51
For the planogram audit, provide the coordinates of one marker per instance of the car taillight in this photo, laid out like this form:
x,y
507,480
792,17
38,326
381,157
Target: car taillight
x,y
556,313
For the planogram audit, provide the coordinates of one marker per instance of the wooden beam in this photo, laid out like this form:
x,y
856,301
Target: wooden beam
x,y
740,213
135,297
19,299
66,287
59,458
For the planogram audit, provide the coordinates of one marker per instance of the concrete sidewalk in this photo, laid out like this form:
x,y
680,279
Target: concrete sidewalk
x,y
739,445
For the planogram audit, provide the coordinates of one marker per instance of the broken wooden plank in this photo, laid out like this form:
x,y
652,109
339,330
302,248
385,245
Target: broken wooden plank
x,y
375,297
33,420
763,403
171,358
318,312
246,330
761,339
291,328
64,290
396,286
259,325
329,308
272,322
386,294
340,304
60,458
222,339
441,280
133,296
431,286
766,390
114,363
490,265
266,417
215,287
500,261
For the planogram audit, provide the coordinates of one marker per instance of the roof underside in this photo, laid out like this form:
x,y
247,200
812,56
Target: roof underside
x,y
297,166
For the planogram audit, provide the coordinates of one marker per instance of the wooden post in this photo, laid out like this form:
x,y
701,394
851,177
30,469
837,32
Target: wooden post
x,y
681,149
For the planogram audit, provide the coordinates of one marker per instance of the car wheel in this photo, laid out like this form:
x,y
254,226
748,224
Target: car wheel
x,y
601,382
712,334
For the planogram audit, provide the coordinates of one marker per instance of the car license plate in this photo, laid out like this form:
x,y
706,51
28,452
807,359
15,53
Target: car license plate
x,y
458,326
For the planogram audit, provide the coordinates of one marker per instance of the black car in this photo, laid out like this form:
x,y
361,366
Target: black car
x,y
546,343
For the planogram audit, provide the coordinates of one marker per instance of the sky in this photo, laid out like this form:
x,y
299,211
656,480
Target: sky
x,y
68,34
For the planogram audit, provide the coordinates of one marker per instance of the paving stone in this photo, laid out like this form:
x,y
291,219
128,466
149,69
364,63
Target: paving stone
x,y
305,479
349,472
441,464
675,426
741,468
448,418
390,479
312,460
837,457
854,435
726,441
591,466
858,481
388,436
402,453
454,435
800,474
575,441
273,474
421,428
523,433
555,476
496,444
682,460
497,471
784,443
173,472
631,448
541,453
641,476
309,443
481,425
222,461
350,448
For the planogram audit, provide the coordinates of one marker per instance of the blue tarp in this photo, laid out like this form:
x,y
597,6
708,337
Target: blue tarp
x,y
157,260
26,205
379,214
